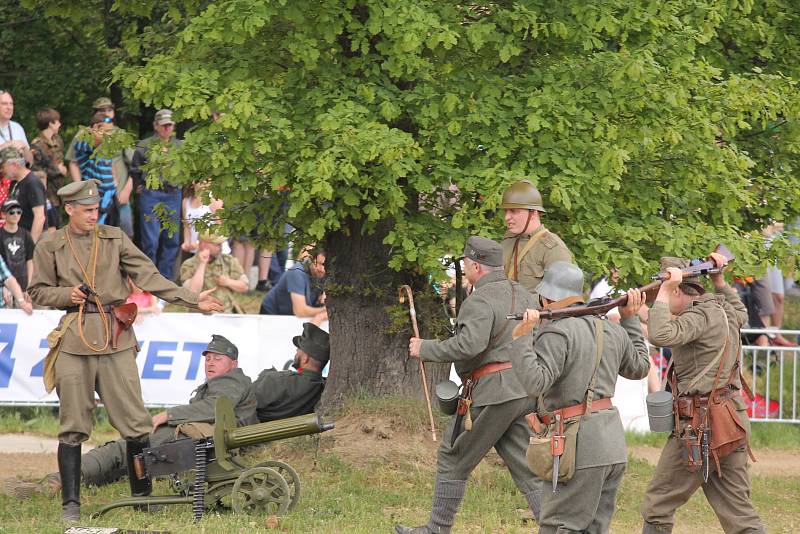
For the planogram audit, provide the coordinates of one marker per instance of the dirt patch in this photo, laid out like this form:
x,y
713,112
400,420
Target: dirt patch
x,y
771,462
27,465
366,439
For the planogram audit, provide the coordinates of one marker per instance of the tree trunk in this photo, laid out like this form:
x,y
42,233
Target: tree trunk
x,y
369,328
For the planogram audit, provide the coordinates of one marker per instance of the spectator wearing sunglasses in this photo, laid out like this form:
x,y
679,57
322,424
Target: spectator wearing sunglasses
x,y
16,244
16,258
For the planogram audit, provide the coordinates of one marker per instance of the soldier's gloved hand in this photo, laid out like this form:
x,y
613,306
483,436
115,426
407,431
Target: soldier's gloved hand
x,y
635,300
529,320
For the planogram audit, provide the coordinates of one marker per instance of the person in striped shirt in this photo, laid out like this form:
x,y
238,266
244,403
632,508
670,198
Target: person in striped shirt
x,y
86,165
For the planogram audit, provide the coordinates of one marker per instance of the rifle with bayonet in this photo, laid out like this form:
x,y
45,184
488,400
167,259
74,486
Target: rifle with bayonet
x,y
604,305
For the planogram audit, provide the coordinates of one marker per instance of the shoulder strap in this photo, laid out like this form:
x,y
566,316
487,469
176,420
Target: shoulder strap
x,y
598,342
512,266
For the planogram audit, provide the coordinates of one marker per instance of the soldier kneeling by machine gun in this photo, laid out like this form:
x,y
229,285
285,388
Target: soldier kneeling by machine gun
x,y
107,463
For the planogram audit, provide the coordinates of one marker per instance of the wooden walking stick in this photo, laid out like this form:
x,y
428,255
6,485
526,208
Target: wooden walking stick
x,y
413,312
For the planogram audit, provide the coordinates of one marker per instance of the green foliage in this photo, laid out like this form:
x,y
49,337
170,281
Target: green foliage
x,y
651,128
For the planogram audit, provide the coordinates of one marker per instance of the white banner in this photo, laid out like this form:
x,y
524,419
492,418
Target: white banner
x,y
170,360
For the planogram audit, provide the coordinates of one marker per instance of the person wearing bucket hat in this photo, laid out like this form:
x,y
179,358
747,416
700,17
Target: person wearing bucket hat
x,y
568,363
83,268
498,402
211,268
528,247
108,463
702,329
282,394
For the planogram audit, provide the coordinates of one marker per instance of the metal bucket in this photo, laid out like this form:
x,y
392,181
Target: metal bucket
x,y
447,396
659,411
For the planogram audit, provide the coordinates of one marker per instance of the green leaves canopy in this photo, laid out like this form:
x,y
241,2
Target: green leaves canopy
x,y
651,127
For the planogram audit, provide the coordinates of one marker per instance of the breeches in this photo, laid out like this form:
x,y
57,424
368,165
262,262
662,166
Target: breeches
x,y
501,426
729,496
115,378
583,504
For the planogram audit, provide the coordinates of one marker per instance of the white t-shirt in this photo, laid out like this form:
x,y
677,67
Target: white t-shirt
x,y
13,131
194,214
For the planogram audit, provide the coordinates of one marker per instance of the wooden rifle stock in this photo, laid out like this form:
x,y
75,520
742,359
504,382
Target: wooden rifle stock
x,y
604,305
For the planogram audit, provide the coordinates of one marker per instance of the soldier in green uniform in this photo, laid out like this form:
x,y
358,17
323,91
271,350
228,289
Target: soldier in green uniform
x,y
703,332
83,268
282,394
560,365
498,404
528,247
108,463
210,268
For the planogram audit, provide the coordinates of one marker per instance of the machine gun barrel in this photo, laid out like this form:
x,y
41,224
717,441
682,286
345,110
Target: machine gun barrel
x,y
274,430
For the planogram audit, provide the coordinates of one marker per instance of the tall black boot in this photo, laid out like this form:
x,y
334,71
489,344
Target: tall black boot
x,y
139,487
69,467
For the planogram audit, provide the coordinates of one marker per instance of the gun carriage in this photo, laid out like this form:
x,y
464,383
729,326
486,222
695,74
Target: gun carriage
x,y
206,472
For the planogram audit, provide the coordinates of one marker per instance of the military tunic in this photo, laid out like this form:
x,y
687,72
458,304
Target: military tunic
x,y
106,464
223,264
530,271
696,336
80,370
499,401
558,365
282,394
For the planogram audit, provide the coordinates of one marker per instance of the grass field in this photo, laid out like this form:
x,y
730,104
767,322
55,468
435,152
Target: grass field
x,y
377,468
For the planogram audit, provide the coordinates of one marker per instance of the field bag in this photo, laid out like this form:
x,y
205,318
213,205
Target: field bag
x,y
560,438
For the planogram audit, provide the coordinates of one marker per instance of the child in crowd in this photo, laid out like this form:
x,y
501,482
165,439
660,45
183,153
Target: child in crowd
x,y
147,303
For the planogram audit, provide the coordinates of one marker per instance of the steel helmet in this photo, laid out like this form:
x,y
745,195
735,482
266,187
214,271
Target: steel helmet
x,y
561,279
522,195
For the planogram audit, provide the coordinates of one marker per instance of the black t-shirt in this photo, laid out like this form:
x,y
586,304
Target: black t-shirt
x,y
29,192
17,249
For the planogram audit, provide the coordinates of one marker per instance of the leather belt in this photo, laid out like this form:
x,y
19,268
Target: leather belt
x,y
576,410
89,307
488,369
687,404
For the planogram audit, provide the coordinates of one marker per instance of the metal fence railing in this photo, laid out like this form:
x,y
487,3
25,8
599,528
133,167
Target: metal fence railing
x,y
772,372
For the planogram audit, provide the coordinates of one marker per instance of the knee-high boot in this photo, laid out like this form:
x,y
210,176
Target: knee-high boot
x,y
69,467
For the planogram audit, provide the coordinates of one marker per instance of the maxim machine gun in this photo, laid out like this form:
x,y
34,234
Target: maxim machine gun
x,y
220,478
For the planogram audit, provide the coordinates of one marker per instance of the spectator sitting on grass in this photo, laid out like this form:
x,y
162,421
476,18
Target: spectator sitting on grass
x,y
210,268
295,294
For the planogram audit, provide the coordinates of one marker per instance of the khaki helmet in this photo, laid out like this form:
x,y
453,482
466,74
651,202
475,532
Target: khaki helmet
x,y
561,279
522,195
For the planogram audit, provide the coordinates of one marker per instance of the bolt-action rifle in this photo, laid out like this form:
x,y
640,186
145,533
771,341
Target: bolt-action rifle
x,y
604,305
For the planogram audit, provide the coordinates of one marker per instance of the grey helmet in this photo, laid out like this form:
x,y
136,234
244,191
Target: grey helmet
x,y
561,279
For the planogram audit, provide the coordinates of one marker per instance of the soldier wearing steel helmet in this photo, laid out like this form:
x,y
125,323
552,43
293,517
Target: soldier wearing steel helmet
x,y
572,365
528,247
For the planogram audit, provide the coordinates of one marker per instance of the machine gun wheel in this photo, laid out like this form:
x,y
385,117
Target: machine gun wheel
x,y
260,490
289,475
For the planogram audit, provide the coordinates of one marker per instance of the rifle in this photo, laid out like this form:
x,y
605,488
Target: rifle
x,y
603,305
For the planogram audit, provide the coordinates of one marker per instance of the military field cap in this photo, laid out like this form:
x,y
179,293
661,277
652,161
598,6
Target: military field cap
x,y
86,192
215,239
682,263
221,345
163,116
315,342
11,203
484,251
103,102
10,153
522,195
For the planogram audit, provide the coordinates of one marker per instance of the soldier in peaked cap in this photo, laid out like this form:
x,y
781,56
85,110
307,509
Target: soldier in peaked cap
x,y
83,269
493,404
528,247
282,394
108,463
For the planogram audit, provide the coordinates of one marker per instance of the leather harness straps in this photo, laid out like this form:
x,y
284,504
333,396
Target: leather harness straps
x,y
488,369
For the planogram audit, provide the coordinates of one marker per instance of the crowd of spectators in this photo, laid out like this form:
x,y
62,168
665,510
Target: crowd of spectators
x,y
31,173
